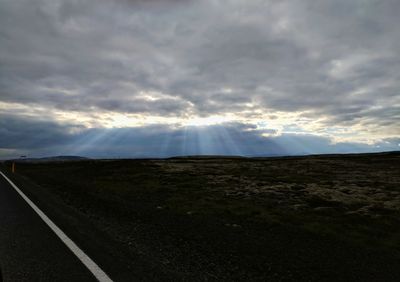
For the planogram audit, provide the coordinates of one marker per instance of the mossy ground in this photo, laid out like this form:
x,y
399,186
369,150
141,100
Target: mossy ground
x,y
349,200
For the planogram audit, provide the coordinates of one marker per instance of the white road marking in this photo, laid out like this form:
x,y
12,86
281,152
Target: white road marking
x,y
87,261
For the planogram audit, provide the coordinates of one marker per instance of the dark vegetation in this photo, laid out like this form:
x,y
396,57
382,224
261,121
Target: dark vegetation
x,y
278,219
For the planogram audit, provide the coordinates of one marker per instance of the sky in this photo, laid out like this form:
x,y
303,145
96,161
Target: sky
x,y
159,78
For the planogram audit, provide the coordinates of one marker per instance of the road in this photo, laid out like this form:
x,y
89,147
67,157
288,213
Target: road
x,y
29,249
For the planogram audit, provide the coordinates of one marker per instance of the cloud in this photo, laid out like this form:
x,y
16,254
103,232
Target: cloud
x,y
335,62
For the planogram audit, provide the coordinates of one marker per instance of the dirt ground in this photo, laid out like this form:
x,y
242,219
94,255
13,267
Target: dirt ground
x,y
330,218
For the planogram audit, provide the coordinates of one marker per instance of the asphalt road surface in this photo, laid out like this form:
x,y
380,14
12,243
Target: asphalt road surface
x,y
29,249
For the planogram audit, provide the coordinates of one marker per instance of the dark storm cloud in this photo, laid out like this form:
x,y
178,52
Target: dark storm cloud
x,y
24,137
23,134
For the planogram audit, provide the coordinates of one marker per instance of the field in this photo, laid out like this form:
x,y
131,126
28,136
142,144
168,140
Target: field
x,y
314,218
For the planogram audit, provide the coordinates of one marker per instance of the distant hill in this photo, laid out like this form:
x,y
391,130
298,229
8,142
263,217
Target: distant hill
x,y
200,157
267,156
51,159
207,157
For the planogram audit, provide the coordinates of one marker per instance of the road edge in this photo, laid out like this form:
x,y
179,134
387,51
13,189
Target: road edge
x,y
79,253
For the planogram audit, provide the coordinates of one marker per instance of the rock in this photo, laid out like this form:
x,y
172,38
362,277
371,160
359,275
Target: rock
x,y
298,187
234,225
324,209
297,207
